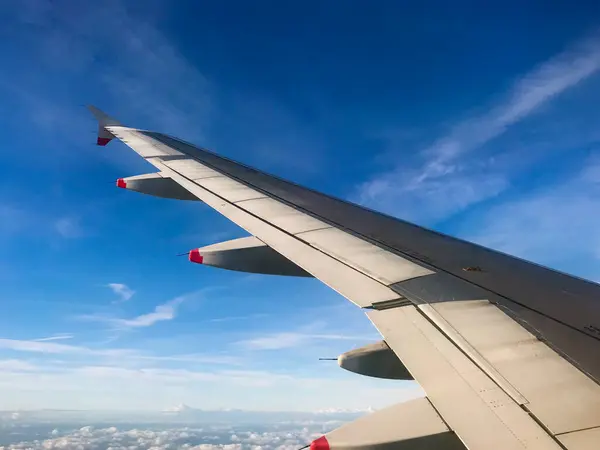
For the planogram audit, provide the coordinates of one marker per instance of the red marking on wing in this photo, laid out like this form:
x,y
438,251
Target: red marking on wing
x,y
103,141
195,256
320,444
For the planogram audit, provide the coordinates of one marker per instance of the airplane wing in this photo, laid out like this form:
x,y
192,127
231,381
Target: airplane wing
x,y
507,351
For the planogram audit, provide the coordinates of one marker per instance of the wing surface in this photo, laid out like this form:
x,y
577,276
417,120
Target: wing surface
x,y
508,352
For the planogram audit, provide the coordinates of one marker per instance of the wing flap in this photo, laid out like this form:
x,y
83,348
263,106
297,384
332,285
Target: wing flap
x,y
481,413
558,394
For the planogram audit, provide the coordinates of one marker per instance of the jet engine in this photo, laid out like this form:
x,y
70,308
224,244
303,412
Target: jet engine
x,y
374,360
156,184
248,254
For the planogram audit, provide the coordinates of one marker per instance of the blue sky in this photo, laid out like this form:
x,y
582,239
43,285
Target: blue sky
x,y
479,122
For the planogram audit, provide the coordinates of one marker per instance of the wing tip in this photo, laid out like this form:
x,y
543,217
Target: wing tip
x,y
102,118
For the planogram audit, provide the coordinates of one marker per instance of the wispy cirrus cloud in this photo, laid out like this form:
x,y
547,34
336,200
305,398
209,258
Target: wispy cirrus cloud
x,y
16,365
168,311
69,227
448,178
26,220
164,312
278,341
43,347
36,346
141,71
140,75
57,337
240,318
535,225
123,291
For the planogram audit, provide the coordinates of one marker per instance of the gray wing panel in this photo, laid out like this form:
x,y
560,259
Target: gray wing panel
x,y
561,309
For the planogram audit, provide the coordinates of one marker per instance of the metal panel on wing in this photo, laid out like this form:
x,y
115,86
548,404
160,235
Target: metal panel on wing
x,y
475,407
376,262
558,394
283,216
229,189
191,169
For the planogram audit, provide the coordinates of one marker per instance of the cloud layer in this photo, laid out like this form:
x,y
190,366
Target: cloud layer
x,y
288,436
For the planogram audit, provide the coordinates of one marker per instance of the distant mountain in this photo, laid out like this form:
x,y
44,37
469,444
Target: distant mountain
x,y
344,411
181,408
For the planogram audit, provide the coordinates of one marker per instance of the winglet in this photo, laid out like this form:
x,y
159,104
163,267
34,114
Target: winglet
x,y
104,120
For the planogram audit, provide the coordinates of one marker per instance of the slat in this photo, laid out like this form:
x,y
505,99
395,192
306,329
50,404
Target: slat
x,y
476,408
378,263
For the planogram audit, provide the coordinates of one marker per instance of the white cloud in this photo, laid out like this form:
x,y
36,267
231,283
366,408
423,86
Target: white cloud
x,y
278,341
525,97
42,346
16,365
58,337
291,436
168,311
26,219
536,225
165,312
54,348
122,290
195,358
447,181
37,347
116,385
68,227
142,72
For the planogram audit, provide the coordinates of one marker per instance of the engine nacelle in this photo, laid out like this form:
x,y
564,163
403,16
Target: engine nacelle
x,y
248,254
156,184
374,360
